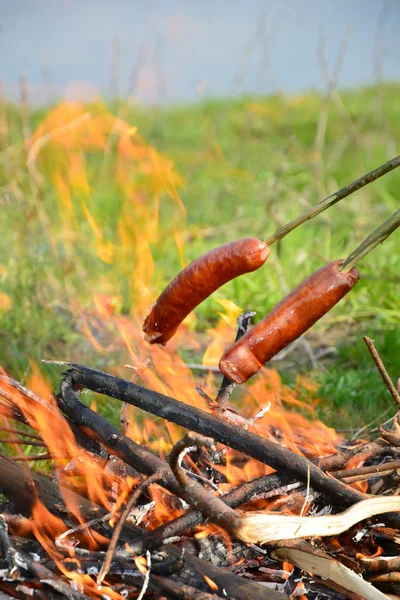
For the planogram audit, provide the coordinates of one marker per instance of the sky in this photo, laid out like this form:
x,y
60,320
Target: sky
x,y
168,51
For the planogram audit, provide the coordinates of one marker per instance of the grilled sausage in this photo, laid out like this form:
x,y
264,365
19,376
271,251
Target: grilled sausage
x,y
197,281
290,318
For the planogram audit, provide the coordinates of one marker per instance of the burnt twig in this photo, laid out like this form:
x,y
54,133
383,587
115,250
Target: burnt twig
x,y
119,444
124,515
241,495
213,507
227,386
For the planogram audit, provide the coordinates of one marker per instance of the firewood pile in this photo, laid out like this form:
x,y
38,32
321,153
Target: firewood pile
x,y
57,543
117,520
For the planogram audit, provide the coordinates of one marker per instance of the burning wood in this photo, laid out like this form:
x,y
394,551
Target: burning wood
x,y
74,530
123,521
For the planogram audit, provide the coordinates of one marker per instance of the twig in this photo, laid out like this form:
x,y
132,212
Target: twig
x,y
388,466
382,369
261,527
146,577
377,237
124,515
21,432
18,442
213,507
59,540
227,386
340,459
334,198
44,456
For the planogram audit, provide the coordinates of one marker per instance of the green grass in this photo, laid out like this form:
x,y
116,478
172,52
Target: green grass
x,y
357,395
248,166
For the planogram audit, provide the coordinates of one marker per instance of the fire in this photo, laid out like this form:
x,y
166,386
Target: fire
x,y
108,269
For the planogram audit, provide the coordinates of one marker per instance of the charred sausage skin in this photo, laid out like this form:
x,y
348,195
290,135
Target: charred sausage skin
x,y
197,281
288,320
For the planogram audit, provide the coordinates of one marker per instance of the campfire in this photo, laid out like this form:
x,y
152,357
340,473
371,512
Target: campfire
x,y
203,500
120,520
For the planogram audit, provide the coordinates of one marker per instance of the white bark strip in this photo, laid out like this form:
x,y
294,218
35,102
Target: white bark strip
x,y
261,527
331,570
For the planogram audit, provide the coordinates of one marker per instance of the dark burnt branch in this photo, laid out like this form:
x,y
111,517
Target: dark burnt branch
x,y
364,452
228,434
179,590
241,495
116,442
18,562
195,494
23,487
148,463
382,370
124,515
10,389
234,586
227,386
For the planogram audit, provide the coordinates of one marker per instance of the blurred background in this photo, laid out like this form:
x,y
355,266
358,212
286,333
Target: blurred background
x,y
135,136
183,51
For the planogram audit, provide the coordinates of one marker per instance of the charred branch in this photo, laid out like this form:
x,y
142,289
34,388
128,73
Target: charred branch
x,y
228,434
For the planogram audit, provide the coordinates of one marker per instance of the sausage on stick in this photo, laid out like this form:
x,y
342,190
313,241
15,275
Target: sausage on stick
x,y
207,273
298,311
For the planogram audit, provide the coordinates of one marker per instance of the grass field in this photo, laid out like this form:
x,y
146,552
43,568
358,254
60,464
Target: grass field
x,y
85,210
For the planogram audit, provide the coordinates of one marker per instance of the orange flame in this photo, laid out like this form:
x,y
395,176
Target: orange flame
x,y
109,246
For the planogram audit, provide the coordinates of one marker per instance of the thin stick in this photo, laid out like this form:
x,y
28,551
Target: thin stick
x,y
21,432
19,442
117,531
227,386
46,456
382,369
196,495
377,237
333,198
146,577
387,466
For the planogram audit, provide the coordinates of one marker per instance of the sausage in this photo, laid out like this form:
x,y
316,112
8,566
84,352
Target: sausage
x,y
288,320
197,281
